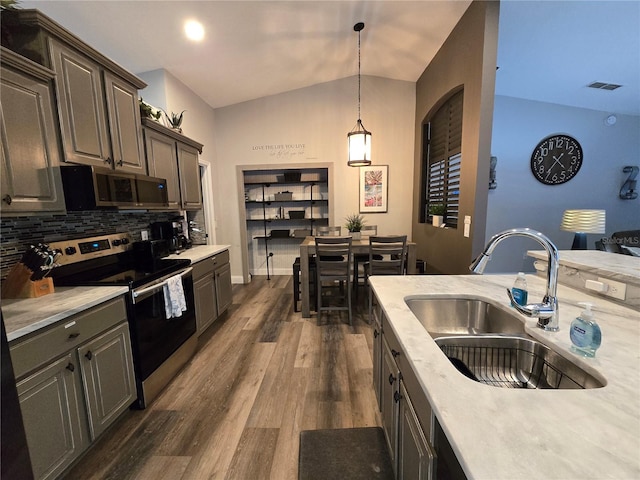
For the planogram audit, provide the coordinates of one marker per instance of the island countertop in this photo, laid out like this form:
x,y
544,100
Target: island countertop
x,y
521,433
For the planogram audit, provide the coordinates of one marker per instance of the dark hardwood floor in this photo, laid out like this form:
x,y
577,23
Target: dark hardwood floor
x,y
262,374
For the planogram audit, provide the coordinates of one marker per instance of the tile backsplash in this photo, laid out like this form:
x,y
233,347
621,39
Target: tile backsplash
x,y
17,233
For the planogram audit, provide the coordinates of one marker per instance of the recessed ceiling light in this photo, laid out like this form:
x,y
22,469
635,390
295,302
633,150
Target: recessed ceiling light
x,y
194,30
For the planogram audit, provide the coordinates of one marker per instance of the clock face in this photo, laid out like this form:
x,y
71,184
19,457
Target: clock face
x,y
556,159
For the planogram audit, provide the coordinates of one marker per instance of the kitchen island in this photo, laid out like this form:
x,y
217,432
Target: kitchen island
x,y
500,433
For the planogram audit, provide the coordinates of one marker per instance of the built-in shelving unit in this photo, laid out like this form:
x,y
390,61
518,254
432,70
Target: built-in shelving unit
x,y
282,207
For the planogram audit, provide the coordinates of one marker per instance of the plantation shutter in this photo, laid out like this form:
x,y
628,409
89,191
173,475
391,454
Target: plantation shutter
x,y
444,159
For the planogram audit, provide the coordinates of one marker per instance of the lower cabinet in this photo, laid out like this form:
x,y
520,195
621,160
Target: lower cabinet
x,y
212,289
407,418
74,380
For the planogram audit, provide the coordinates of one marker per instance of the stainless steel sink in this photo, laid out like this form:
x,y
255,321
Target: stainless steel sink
x,y
458,316
514,362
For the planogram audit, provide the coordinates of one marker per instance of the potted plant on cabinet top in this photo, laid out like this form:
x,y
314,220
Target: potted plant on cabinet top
x,y
175,120
354,225
437,211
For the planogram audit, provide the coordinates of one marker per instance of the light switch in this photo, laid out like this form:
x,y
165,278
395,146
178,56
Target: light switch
x,y
467,225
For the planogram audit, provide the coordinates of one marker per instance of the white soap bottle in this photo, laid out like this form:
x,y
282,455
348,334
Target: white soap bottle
x,y
519,289
585,333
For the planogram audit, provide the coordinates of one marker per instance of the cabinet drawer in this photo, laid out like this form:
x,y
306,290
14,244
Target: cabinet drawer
x,y
206,266
65,335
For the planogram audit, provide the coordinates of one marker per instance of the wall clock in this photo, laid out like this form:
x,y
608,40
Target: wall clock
x,y
556,159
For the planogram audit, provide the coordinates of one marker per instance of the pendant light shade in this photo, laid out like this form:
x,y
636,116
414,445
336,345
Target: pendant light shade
x,y
359,138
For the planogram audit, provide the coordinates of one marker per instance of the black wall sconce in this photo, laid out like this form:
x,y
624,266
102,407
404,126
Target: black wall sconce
x,y
628,190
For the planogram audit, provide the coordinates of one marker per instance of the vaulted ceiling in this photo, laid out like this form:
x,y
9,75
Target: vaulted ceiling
x,y
548,51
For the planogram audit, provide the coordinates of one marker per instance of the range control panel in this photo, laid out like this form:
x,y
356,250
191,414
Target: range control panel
x,y
81,249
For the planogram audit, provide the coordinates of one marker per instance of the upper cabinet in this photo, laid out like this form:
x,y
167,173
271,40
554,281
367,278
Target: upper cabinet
x,y
30,177
97,99
173,156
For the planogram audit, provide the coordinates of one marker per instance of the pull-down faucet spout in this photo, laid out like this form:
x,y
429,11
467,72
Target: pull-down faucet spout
x,y
547,311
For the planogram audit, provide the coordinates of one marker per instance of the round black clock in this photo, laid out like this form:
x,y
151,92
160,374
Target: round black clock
x,y
556,159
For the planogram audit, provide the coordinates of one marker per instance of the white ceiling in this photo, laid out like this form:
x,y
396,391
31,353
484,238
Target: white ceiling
x,y
548,50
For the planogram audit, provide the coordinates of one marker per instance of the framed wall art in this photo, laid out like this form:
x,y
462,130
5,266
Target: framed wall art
x,y
374,188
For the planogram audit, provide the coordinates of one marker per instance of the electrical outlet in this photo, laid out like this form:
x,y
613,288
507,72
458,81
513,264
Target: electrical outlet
x,y
615,289
144,234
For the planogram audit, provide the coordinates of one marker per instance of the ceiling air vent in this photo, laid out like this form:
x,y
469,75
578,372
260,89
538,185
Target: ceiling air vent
x,y
604,86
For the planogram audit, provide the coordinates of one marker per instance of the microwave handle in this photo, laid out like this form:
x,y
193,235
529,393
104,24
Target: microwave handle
x,y
137,293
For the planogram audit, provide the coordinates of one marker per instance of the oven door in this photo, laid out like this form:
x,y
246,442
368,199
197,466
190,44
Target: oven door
x,y
156,338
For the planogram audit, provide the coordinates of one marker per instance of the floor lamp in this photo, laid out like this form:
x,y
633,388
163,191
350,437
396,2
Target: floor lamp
x,y
582,222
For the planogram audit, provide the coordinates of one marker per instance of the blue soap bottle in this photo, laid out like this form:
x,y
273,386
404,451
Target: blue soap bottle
x,y
585,333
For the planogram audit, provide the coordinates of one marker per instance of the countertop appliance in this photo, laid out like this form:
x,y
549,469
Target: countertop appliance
x,y
160,346
88,188
172,232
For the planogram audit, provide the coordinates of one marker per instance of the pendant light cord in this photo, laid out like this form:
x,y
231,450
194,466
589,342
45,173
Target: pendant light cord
x,y
359,75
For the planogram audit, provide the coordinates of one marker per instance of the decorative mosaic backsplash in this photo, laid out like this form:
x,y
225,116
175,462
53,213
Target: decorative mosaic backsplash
x,y
17,233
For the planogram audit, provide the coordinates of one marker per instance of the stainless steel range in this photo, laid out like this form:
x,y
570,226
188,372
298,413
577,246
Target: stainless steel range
x,y
161,346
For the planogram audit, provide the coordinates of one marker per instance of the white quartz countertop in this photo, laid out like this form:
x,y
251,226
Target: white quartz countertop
x,y
200,252
501,433
24,316
625,268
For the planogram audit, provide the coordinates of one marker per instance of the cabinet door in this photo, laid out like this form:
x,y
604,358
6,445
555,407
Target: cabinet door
x,y
108,377
224,293
52,411
190,190
205,298
390,398
123,113
415,457
30,150
162,162
377,356
83,119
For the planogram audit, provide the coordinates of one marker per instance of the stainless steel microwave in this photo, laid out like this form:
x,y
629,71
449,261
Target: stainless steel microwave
x,y
90,188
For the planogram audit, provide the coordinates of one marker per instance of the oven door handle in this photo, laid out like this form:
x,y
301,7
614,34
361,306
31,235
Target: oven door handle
x,y
136,293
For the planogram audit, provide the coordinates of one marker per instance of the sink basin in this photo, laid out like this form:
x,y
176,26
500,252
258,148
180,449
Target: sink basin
x,y
463,316
514,362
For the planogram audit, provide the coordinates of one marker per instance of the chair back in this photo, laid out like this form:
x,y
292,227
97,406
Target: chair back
x,y
333,256
369,230
324,231
387,255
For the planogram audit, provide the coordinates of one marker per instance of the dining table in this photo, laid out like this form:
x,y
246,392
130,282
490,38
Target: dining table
x,y
358,246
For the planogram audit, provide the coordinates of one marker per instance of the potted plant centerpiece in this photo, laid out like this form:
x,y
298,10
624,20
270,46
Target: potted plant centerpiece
x,y
437,211
354,225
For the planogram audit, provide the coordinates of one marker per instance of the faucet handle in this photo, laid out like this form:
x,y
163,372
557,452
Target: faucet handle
x,y
547,309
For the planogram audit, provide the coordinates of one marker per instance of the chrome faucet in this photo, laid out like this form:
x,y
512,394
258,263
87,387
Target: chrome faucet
x,y
547,311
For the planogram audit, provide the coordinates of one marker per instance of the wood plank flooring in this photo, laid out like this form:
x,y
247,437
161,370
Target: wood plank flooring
x,y
262,374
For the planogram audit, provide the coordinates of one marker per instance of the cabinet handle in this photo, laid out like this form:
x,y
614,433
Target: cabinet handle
x,y
391,379
375,333
121,163
7,199
88,355
108,161
396,396
70,367
73,335
395,353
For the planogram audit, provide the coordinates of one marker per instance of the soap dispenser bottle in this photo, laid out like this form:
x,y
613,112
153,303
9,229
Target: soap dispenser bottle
x,y
519,289
585,333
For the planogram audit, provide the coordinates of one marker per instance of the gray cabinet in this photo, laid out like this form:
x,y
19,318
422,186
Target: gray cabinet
x,y
97,100
99,113
30,153
53,412
107,377
173,156
377,355
212,289
407,417
74,379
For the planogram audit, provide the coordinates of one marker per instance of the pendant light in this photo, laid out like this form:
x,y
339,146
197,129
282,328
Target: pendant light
x,y
359,139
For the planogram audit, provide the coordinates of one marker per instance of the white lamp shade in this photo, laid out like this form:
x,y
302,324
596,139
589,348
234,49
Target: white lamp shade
x,y
359,148
583,221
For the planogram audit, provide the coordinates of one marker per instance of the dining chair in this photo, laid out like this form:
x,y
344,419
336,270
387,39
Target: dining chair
x,y
333,264
387,256
359,259
324,230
